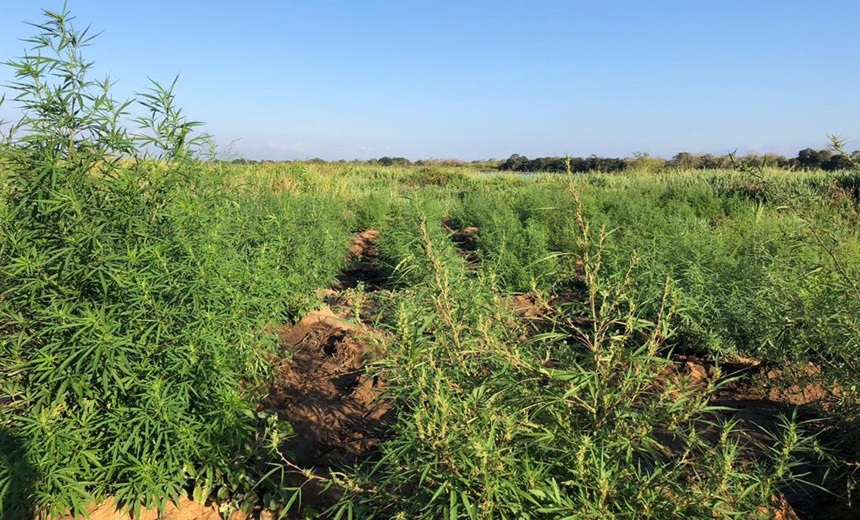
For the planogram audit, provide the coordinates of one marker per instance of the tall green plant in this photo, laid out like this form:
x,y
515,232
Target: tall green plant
x,y
134,298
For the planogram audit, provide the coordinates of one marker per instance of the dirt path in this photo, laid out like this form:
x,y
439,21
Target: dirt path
x,y
362,268
322,387
323,390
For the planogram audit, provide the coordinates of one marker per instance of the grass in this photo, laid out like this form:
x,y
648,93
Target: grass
x,y
139,288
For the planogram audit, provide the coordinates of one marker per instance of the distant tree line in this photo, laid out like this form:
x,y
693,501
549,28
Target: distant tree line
x,y
520,163
382,161
806,159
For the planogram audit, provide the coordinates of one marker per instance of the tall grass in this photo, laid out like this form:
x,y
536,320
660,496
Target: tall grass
x,y
576,423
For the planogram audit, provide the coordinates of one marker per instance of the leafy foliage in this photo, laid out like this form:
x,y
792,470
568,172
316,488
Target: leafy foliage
x,y
577,423
135,295
139,287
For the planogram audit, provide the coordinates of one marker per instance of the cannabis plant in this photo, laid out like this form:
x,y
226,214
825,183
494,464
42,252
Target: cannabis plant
x,y
132,312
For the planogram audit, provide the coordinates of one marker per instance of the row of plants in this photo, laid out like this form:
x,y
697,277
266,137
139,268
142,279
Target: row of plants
x,y
497,419
762,264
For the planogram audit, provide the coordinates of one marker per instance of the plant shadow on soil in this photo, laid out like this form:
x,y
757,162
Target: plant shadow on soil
x,y
465,240
363,268
321,386
324,392
22,476
756,399
760,399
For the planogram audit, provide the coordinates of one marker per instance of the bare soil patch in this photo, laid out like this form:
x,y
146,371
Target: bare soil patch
x,y
526,305
322,389
466,240
186,510
362,267
756,399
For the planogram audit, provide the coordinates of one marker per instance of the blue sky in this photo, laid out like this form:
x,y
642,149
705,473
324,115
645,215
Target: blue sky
x,y
477,79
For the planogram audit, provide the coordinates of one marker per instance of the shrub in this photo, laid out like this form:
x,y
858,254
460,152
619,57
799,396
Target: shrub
x,y
135,297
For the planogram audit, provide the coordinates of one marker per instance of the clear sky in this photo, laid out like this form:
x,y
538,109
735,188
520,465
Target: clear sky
x,y
476,79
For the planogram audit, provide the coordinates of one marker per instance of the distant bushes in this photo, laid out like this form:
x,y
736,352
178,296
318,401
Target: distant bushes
x,y
806,159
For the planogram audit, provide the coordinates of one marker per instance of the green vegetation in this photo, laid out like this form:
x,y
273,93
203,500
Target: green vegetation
x,y
541,339
135,295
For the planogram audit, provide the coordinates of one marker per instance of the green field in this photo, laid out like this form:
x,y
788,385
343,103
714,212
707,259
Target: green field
x,y
352,341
